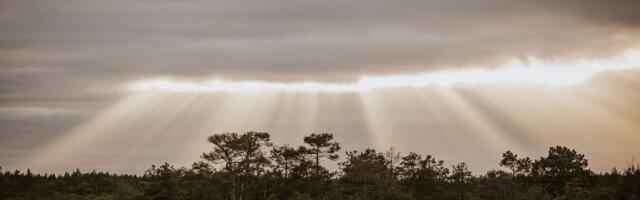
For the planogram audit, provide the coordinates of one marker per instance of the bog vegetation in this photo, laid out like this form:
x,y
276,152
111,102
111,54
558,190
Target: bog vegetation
x,y
249,166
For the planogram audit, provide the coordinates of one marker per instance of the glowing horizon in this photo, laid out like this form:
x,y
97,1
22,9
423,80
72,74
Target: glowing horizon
x,y
534,71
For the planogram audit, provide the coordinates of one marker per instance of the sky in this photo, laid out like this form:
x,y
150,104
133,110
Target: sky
x,y
120,85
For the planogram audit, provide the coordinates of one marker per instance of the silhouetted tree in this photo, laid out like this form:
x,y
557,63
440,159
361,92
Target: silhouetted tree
x,y
366,177
425,178
393,157
290,170
460,175
163,182
494,185
514,164
242,156
242,170
322,146
319,146
517,167
285,158
562,165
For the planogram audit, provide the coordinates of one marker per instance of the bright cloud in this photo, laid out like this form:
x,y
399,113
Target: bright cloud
x,y
534,71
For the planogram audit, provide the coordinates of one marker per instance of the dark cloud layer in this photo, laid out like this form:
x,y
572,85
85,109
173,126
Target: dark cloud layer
x,y
284,40
81,45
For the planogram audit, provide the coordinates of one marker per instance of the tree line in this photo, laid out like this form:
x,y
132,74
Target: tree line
x,y
249,166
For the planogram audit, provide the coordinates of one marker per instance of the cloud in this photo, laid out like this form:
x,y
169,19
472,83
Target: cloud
x,y
303,40
532,72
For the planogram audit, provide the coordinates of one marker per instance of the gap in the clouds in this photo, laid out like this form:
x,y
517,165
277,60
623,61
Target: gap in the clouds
x,y
533,71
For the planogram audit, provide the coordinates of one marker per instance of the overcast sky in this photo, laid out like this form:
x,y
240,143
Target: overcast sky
x,y
65,63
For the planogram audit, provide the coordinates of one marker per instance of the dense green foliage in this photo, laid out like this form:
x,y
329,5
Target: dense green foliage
x,y
248,166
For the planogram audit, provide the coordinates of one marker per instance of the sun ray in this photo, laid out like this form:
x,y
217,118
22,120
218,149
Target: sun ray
x,y
377,120
108,122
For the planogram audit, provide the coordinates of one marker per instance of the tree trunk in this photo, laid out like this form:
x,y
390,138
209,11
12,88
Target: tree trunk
x,y
242,191
286,169
317,161
266,186
462,190
233,187
513,187
365,188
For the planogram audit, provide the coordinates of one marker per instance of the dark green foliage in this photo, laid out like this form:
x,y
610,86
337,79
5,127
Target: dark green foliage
x,y
495,185
560,167
423,178
366,175
460,176
247,167
321,146
243,158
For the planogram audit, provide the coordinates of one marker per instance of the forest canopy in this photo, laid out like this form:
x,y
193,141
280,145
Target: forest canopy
x,y
250,166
